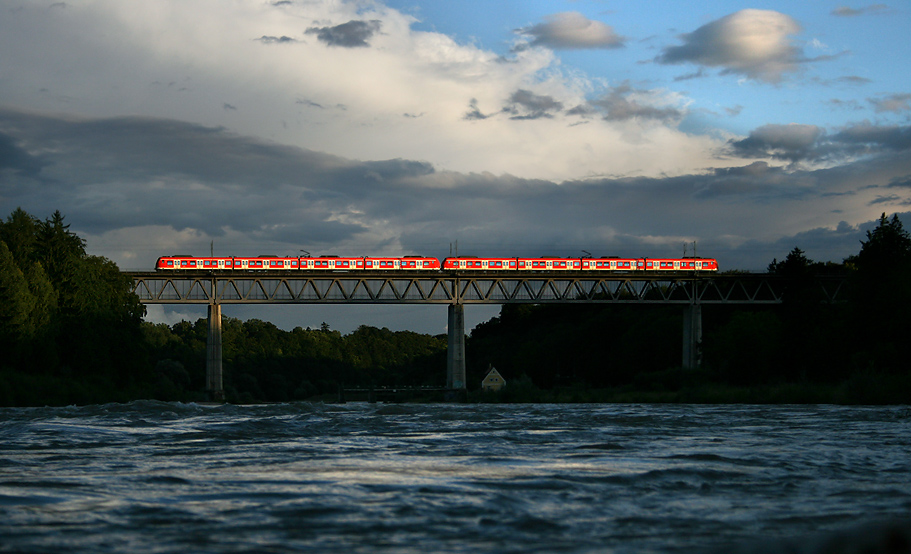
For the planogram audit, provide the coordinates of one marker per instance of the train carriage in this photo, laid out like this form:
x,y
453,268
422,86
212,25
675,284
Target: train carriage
x,y
405,263
472,263
608,264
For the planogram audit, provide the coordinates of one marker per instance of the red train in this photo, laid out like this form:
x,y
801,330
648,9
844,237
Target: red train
x,y
420,263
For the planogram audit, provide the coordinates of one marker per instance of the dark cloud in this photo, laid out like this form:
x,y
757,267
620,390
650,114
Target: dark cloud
x,y
572,30
901,182
474,112
621,104
785,142
754,43
690,76
875,137
524,104
890,199
127,173
353,34
15,159
797,143
276,40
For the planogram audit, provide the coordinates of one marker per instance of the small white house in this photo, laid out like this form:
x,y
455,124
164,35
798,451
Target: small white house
x,y
493,381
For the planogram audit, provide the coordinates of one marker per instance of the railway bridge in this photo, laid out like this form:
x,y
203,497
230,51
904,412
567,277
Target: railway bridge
x,y
458,289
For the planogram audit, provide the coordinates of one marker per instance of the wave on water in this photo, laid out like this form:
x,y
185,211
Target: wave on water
x,y
577,479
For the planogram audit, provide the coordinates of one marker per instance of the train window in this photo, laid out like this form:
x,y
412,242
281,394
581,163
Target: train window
x,y
512,264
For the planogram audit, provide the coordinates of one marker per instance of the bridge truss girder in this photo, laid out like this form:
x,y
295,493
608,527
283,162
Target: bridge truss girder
x,y
181,288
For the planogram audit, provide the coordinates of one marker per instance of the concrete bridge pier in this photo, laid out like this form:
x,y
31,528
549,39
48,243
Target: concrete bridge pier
x,y
455,357
214,384
692,336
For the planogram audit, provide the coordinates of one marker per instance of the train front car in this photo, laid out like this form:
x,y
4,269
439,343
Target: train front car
x,y
183,262
166,263
677,264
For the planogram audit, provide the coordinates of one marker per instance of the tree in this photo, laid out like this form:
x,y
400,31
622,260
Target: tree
x,y
16,301
795,264
20,233
881,296
887,248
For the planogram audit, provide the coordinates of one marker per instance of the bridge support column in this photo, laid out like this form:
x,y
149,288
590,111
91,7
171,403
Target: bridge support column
x,y
455,357
692,336
214,384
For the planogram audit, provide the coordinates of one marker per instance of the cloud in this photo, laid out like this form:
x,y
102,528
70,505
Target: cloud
x,y
474,112
276,40
347,101
785,142
17,160
524,104
901,182
895,103
753,43
141,187
572,30
845,11
353,34
809,143
875,137
623,103
854,80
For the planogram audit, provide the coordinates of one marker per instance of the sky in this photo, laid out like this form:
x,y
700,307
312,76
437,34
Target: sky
x,y
501,128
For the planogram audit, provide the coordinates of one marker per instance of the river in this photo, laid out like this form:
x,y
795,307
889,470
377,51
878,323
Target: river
x,y
158,477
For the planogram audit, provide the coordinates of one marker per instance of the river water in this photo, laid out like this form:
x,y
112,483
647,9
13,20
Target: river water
x,y
432,478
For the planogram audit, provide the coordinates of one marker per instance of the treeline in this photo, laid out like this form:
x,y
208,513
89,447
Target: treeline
x,y
69,323
71,331
264,363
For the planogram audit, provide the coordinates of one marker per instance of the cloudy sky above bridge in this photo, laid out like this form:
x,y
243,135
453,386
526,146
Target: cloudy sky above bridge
x,y
403,126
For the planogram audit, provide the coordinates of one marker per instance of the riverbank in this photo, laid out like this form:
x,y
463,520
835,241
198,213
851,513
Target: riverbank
x,y
681,387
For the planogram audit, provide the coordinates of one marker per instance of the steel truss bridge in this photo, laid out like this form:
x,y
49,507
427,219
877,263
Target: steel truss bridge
x,y
458,289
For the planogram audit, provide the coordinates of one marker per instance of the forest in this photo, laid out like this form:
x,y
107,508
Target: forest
x,y
72,332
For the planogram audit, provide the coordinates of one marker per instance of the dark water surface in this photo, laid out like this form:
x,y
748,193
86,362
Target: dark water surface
x,y
166,477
